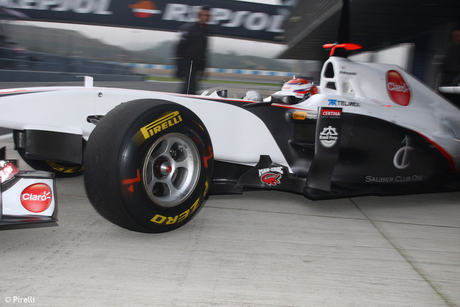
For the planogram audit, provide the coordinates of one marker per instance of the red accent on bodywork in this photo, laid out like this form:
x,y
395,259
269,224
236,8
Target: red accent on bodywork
x,y
347,46
446,155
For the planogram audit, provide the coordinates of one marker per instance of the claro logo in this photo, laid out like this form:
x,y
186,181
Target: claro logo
x,y
397,88
37,197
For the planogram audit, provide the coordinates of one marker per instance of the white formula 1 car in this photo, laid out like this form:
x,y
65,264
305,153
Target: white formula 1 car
x,y
26,197
150,158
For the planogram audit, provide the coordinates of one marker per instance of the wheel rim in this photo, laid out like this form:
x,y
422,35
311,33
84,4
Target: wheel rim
x,y
171,170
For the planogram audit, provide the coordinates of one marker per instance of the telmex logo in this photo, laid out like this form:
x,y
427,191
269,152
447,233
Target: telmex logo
x,y
254,21
36,198
397,88
161,124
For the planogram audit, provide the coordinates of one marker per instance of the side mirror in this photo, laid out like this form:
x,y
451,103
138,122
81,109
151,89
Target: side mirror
x,y
284,99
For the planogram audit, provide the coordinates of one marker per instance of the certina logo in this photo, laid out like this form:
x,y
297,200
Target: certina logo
x,y
161,124
144,9
341,103
328,137
36,198
331,113
254,21
397,88
271,176
401,158
100,7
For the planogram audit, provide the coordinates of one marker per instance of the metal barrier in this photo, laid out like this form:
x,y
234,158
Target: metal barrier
x,y
20,59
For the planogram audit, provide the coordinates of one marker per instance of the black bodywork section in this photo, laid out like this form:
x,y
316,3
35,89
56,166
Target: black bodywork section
x,y
369,156
49,145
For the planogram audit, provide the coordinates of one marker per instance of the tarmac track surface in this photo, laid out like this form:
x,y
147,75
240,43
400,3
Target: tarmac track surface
x,y
261,248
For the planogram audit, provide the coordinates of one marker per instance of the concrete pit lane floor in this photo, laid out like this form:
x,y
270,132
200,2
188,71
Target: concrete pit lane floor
x,y
262,248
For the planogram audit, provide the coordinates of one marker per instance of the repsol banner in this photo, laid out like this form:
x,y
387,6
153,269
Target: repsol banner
x,y
228,18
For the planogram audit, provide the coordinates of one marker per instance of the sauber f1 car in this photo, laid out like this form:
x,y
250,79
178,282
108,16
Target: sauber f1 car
x,y
26,197
150,158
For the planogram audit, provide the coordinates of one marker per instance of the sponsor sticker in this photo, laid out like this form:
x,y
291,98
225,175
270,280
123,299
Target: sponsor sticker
x,y
271,176
401,157
349,73
329,113
397,88
299,115
395,179
328,137
161,124
37,197
341,103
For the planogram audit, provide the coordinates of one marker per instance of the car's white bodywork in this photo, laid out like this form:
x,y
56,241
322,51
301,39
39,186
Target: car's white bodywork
x,y
238,135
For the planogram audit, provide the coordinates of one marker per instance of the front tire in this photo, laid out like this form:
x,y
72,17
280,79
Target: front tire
x,y
148,165
60,169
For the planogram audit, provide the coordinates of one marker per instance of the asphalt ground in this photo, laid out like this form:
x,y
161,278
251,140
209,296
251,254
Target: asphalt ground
x,y
262,248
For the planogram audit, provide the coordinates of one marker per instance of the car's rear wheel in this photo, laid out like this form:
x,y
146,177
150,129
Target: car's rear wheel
x,y
148,165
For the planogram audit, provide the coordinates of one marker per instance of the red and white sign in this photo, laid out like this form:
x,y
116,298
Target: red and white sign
x,y
37,197
144,9
329,112
397,88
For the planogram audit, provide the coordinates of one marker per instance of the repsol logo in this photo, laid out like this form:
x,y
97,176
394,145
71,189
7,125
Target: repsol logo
x,y
254,21
100,7
161,124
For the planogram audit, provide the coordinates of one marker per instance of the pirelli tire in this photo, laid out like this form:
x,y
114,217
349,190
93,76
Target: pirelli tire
x,y
60,169
149,165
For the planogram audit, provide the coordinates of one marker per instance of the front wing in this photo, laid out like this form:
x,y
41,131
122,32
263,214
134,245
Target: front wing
x,y
28,197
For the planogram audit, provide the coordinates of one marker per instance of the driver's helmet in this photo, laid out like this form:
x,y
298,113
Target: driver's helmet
x,y
298,87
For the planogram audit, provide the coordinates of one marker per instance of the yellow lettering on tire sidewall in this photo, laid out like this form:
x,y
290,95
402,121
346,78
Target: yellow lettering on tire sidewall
x,y
169,220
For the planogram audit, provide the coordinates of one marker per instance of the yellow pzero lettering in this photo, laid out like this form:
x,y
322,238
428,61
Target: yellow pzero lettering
x,y
183,215
195,205
172,220
206,189
159,219
161,124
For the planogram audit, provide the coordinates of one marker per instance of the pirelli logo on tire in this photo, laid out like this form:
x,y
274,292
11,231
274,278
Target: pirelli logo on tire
x,y
161,124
